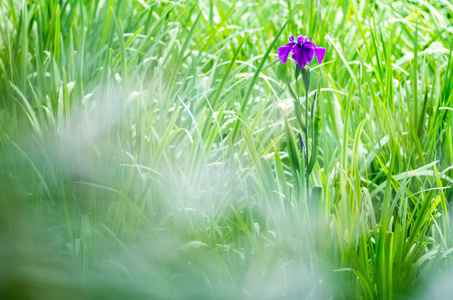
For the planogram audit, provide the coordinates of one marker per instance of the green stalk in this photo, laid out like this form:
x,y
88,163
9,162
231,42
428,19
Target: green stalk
x,y
306,79
307,191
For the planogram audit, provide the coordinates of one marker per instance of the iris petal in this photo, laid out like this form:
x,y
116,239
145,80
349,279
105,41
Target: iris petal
x,y
298,56
308,52
283,52
320,52
301,39
291,39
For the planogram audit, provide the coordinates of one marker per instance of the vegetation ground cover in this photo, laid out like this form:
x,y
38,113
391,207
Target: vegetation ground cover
x,y
150,150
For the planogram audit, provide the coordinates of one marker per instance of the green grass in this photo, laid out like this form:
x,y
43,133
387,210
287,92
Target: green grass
x,y
144,153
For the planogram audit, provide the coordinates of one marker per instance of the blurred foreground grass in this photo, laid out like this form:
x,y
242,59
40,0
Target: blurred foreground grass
x,y
144,153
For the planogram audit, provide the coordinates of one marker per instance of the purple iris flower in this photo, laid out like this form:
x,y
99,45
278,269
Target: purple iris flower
x,y
303,51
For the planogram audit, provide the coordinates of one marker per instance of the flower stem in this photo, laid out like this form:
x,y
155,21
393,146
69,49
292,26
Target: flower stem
x,y
306,79
307,187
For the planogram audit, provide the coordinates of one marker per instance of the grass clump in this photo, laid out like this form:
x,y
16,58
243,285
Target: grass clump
x,y
144,152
